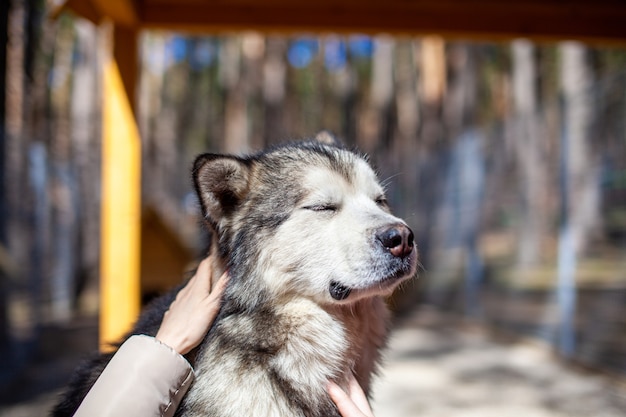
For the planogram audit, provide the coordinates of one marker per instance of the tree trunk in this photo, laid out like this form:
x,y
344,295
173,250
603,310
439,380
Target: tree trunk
x,y
527,142
5,341
579,185
432,69
405,145
274,89
14,116
85,134
375,125
63,191
235,112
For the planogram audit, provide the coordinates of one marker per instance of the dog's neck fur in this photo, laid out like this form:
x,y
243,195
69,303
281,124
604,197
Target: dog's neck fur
x,y
360,328
304,343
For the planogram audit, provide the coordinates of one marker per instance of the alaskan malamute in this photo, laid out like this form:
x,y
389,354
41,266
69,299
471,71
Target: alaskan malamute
x,y
311,248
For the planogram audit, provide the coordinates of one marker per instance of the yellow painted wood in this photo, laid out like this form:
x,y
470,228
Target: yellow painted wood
x,y
121,209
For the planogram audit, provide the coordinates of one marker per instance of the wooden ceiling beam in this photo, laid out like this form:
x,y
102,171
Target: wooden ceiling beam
x,y
121,12
588,20
603,20
83,8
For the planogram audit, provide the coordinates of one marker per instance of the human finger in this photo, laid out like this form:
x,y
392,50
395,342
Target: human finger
x,y
213,300
202,278
344,404
358,396
220,286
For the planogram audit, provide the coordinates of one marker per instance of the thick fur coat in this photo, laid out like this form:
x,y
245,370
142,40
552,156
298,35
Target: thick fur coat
x,y
311,248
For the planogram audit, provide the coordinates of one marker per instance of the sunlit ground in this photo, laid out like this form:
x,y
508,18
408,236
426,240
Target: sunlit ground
x,y
436,369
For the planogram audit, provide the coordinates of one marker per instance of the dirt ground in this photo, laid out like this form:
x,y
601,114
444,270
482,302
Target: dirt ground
x,y
436,368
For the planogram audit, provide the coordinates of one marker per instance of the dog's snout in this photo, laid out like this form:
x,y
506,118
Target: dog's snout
x,y
397,239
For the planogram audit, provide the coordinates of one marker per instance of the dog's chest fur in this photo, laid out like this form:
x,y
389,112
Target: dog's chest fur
x,y
281,359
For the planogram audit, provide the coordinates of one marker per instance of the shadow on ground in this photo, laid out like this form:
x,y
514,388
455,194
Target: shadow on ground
x,y
33,386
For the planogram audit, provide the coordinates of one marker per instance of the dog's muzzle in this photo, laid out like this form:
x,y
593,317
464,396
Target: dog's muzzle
x,y
338,292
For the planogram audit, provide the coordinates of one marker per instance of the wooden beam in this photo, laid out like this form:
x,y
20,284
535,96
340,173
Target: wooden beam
x,y
83,8
126,55
121,12
601,20
121,191
587,20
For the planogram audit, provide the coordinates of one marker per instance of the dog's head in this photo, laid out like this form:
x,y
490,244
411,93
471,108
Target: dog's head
x,y
306,219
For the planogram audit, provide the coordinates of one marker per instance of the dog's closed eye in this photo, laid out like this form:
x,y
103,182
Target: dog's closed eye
x,y
322,207
381,201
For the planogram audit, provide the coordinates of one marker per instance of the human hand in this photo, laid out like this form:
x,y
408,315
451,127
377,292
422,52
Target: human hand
x,y
191,314
353,404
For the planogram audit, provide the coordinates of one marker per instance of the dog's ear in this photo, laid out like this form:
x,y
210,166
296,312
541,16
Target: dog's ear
x,y
221,183
327,138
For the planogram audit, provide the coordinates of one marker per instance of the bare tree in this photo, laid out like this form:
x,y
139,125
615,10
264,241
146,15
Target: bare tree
x,y
274,89
579,184
63,181
4,290
375,124
85,142
236,137
527,141
404,147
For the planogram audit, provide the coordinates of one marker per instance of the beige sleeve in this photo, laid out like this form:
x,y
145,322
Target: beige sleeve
x,y
144,378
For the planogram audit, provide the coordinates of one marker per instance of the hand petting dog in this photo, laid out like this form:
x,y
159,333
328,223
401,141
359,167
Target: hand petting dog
x,y
191,314
200,303
351,404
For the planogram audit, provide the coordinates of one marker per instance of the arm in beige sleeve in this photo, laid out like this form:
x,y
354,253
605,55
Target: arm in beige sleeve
x,y
144,378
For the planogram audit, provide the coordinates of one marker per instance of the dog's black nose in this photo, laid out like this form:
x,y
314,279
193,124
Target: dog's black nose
x,y
398,239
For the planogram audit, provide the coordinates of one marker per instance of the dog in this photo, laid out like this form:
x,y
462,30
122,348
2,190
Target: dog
x,y
312,249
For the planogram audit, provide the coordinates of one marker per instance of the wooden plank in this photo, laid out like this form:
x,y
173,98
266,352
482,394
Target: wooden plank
x,y
121,12
83,8
121,191
126,55
595,21
551,20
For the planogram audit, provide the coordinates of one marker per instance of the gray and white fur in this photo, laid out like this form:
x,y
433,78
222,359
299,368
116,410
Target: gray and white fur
x,y
312,249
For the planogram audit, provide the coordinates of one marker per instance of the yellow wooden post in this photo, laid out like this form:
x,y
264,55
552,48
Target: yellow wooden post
x,y
121,189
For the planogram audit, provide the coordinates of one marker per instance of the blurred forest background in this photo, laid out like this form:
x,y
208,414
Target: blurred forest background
x,y
508,160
